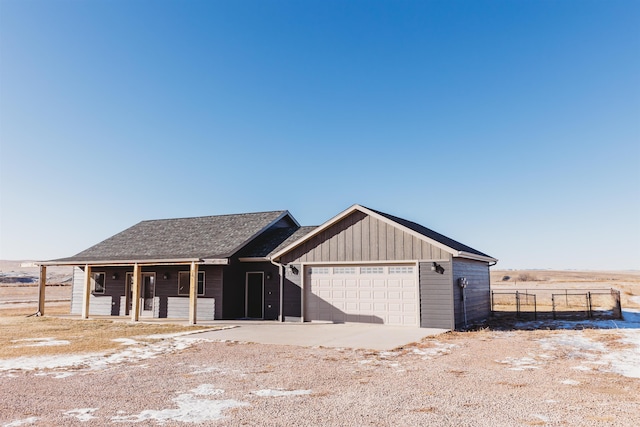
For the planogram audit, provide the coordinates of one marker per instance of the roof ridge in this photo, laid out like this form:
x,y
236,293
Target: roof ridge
x,y
214,216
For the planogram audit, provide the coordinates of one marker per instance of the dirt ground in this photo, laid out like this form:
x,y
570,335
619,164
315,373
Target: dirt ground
x,y
506,378
509,377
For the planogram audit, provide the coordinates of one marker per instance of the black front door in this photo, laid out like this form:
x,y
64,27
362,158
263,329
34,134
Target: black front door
x,y
255,297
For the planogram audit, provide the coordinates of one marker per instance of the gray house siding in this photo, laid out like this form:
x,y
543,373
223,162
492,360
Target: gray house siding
x,y
477,292
436,296
292,300
235,280
107,304
167,302
360,237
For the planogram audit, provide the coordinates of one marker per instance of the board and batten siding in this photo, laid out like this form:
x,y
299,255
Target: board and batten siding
x,y
436,296
477,292
360,237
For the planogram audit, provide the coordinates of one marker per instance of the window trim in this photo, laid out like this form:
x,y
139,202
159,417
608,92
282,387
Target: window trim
x,y
94,282
188,273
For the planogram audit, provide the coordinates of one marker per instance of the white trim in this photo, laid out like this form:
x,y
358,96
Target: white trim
x,y
188,273
93,283
303,297
128,296
357,263
153,297
246,294
467,255
123,263
214,261
256,259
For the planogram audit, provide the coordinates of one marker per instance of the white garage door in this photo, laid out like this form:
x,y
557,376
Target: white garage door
x,y
371,294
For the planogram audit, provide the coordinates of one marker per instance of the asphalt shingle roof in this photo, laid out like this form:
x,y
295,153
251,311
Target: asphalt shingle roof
x,y
217,236
274,240
431,234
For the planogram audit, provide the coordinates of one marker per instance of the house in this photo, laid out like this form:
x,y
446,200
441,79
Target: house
x,y
362,265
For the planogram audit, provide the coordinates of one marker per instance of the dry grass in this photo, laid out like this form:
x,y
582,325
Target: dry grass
x,y
559,276
19,334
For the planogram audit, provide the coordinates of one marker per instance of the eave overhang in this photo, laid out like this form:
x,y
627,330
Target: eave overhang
x,y
130,262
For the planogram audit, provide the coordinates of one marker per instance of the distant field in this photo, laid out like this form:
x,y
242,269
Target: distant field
x,y
627,282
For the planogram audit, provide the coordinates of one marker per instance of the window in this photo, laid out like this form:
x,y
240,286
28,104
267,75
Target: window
x,y
320,270
371,270
97,283
344,270
184,279
400,270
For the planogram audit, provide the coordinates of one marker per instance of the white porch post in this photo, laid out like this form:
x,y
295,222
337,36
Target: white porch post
x,y
86,295
41,289
193,293
135,304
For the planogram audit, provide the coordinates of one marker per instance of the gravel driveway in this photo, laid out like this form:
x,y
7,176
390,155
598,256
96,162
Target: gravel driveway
x,y
514,378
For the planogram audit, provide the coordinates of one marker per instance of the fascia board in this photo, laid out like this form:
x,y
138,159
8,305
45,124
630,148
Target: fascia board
x,y
122,262
254,259
462,254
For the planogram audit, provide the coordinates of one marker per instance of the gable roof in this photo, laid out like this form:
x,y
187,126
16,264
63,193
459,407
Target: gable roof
x,y
445,243
183,239
272,241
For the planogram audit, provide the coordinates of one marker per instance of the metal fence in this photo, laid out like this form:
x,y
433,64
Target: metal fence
x,y
558,303
521,303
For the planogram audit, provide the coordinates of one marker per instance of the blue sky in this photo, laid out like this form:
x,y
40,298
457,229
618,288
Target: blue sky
x,y
512,126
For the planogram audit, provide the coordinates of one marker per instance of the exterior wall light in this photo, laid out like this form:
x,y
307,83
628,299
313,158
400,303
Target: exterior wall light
x,y
268,276
437,268
165,276
115,276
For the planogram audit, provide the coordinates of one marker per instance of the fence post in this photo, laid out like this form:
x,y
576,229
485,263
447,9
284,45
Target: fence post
x,y
535,307
553,306
517,304
492,309
618,306
590,314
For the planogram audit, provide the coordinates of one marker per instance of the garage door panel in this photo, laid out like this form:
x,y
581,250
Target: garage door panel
x,y
379,295
372,294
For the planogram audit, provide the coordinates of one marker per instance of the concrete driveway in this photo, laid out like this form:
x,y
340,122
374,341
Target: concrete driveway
x,y
343,335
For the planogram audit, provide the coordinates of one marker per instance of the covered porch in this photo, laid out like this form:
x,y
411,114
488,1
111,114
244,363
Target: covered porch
x,y
131,278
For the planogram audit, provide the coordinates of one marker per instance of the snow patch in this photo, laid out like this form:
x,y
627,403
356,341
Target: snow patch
x,y
190,410
570,382
95,361
56,375
126,341
575,341
22,422
207,370
207,390
623,361
83,414
437,350
278,393
520,363
39,342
